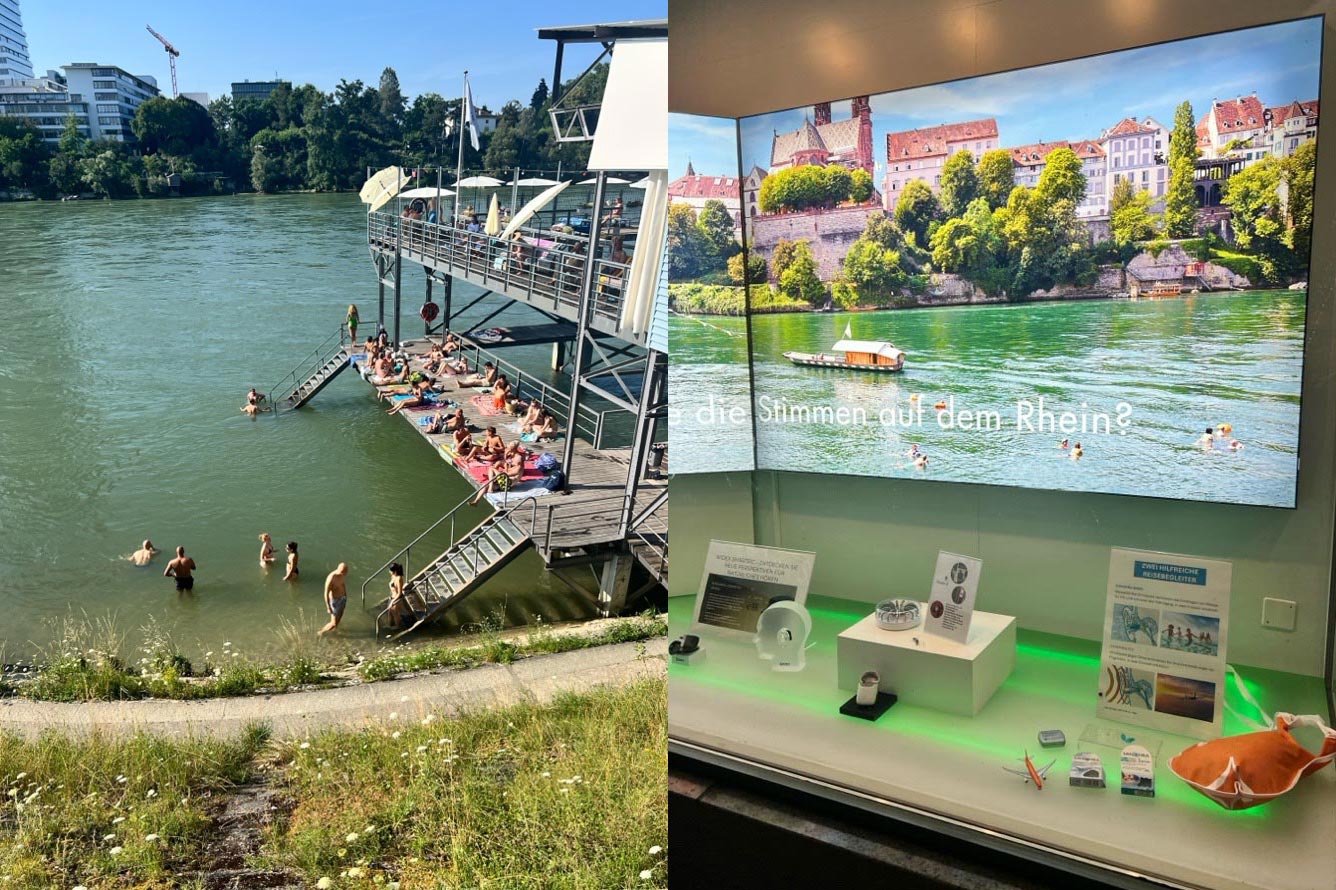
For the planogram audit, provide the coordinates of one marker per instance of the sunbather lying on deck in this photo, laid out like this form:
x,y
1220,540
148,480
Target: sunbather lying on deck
x,y
504,475
421,396
486,379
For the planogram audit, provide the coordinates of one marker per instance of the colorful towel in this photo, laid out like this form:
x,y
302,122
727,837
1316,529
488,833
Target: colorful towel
x,y
521,492
478,469
483,402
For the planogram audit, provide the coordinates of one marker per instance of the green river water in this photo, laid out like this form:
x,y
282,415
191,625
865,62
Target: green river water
x,y
1178,365
132,331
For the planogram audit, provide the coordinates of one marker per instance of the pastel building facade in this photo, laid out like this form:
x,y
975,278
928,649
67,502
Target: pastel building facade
x,y
694,190
921,153
1137,151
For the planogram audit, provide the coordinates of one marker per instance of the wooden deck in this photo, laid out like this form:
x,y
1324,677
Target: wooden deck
x,y
590,514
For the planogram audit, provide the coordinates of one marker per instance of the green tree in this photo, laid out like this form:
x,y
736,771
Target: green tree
x,y
756,272
874,267
839,183
688,252
503,148
1299,200
782,256
391,103
996,177
539,97
804,187
800,280
71,141
955,246
860,186
716,225
1061,180
109,170
960,183
1132,220
23,155
916,210
1180,202
173,126
1253,198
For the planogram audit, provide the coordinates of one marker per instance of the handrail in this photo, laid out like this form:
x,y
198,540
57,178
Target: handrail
x,y
309,364
474,544
550,271
406,551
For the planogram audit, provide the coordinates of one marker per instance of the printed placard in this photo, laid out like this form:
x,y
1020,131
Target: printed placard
x,y
742,580
951,606
1166,620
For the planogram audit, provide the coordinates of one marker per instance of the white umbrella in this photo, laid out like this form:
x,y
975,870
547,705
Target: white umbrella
x,y
611,180
426,192
379,181
478,182
532,180
528,210
386,195
493,217
641,183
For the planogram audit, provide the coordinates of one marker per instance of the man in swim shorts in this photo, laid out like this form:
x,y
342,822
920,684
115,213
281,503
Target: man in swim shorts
x,y
182,569
336,597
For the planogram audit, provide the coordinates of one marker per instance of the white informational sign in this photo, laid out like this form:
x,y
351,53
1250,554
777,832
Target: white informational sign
x,y
951,606
742,580
1165,626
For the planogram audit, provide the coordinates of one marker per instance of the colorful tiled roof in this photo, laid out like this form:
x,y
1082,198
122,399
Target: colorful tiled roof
x,y
1282,113
929,142
1030,155
838,138
1128,126
1234,115
696,186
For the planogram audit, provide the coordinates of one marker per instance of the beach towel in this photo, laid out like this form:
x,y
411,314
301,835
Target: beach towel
x,y
483,403
478,469
521,492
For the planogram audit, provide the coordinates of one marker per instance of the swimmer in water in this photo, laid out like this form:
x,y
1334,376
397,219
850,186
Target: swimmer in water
x,y
292,562
266,549
1065,444
1077,452
1235,445
1207,441
144,555
921,461
913,451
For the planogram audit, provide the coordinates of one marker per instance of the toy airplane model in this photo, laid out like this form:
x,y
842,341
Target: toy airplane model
x,y
1032,773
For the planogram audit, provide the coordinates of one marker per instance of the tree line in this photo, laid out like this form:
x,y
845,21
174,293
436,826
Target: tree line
x,y
298,138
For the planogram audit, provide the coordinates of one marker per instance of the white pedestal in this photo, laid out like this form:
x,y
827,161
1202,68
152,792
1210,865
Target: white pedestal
x,y
937,673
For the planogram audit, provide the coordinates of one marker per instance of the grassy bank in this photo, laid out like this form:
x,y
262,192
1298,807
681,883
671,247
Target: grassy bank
x,y
89,665
569,795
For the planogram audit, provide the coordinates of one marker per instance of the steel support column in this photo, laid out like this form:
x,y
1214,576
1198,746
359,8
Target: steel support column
x,y
398,275
582,327
652,401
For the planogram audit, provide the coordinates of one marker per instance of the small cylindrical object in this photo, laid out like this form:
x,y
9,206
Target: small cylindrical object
x,y
867,689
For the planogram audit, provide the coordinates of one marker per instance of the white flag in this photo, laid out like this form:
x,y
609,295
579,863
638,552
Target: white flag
x,y
470,116
848,332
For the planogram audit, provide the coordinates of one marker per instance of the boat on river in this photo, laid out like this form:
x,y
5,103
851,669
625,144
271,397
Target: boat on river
x,y
854,355
1161,290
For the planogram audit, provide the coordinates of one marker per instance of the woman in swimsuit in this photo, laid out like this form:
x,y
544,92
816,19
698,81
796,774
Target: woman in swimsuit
x,y
397,601
352,324
292,562
266,549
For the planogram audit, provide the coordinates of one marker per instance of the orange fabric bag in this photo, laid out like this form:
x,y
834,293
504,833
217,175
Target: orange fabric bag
x,y
1243,771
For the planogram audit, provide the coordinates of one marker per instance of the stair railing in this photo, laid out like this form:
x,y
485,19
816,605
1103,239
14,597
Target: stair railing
x,y
471,546
405,554
311,363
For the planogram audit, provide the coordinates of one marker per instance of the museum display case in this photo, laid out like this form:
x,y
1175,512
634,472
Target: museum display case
x,y
1018,629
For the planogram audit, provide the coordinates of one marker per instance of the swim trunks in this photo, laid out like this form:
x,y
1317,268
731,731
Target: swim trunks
x,y
337,606
184,584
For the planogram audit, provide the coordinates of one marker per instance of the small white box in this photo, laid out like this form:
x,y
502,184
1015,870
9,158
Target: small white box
x,y
936,673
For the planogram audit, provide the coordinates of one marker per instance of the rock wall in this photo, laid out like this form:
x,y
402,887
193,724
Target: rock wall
x,y
1171,265
830,232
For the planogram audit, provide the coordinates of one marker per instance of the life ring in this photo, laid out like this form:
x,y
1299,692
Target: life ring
x,y
429,312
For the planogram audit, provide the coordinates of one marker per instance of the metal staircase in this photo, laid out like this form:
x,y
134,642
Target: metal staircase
x,y
313,374
466,563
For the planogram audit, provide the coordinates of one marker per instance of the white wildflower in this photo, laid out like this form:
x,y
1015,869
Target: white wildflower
x,y
646,875
108,837
116,851
322,884
352,838
304,745
655,850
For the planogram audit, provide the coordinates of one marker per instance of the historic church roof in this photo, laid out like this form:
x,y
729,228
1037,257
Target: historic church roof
x,y
693,185
837,137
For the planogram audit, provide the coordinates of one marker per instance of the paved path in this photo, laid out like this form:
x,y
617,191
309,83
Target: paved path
x,y
539,678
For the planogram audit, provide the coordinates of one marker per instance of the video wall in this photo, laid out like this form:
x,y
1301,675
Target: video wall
x,y
1089,275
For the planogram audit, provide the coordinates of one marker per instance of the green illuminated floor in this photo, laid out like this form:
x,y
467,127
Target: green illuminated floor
x,y
949,764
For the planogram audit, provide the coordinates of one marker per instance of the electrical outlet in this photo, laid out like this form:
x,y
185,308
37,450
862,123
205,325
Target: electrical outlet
x,y
1278,614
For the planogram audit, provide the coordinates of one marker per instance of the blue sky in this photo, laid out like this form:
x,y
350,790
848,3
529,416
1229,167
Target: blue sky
x,y
1066,100
428,44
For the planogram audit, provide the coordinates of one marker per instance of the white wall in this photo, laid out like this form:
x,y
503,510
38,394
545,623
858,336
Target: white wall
x,y
1045,553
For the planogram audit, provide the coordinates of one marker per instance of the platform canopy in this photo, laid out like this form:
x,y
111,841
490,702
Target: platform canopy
x,y
426,192
872,347
478,182
532,180
633,118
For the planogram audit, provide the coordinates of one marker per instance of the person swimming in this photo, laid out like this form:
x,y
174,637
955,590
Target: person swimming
x,y
1235,445
144,555
1077,451
1065,444
292,562
921,461
913,451
1207,441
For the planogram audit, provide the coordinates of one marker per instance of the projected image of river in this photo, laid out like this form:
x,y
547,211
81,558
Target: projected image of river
x,y
1135,383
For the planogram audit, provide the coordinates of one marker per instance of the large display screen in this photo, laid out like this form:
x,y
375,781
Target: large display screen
x,y
1090,275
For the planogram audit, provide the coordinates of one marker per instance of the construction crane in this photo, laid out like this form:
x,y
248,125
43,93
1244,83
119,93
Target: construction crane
x,y
172,53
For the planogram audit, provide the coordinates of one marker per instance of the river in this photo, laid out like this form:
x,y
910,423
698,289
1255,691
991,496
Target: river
x,y
1178,366
132,331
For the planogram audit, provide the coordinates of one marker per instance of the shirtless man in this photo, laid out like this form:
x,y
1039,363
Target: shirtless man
x,y
181,569
493,447
336,597
144,555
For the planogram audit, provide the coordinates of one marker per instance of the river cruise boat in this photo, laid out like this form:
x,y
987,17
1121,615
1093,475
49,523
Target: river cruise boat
x,y
1160,290
853,355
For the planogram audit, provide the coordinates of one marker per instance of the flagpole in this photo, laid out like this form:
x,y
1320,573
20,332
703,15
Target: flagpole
x,y
459,168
